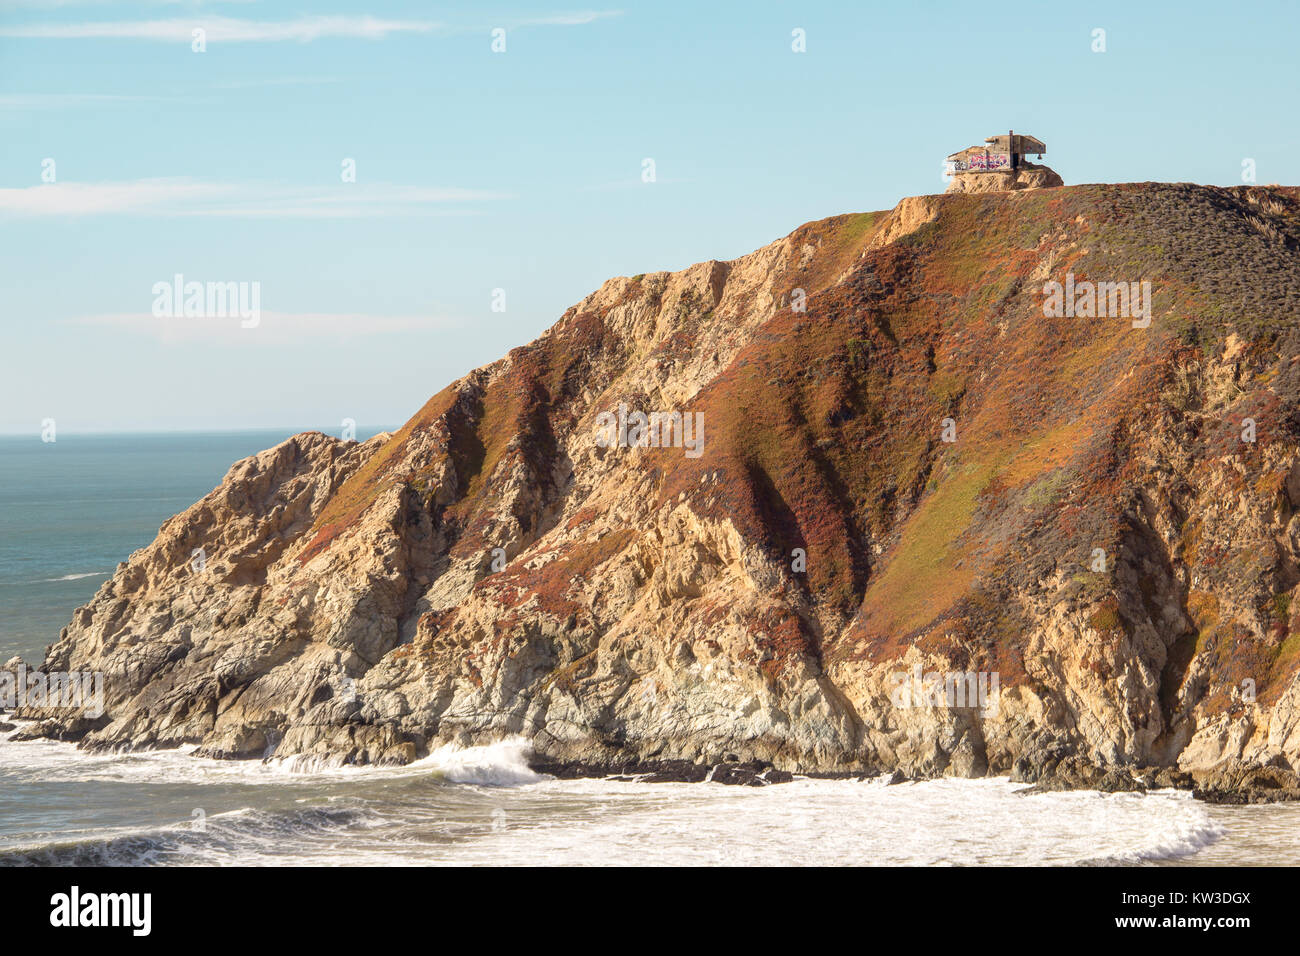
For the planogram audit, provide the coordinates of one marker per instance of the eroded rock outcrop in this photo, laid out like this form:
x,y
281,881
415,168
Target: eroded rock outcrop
x,y
1026,176
907,469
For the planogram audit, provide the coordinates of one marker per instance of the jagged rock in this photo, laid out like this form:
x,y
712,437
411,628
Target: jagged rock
x,y
67,729
1235,782
1076,774
492,568
1055,768
752,773
1166,778
239,743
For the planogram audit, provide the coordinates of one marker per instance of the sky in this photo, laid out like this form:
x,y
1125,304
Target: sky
x,y
409,203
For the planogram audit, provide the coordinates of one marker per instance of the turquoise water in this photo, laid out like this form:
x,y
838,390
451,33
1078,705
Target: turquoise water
x,y
70,510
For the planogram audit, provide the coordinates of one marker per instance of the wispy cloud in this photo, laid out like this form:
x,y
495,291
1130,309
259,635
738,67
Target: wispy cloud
x,y
181,197
53,101
304,29
92,199
56,4
568,19
56,101
272,329
631,182
276,81
351,201
224,29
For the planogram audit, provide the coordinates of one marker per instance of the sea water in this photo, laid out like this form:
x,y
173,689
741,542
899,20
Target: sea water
x,y
484,806
69,512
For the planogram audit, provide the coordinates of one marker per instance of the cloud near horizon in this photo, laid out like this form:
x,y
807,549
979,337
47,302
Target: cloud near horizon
x,y
223,29
303,29
273,328
184,197
41,101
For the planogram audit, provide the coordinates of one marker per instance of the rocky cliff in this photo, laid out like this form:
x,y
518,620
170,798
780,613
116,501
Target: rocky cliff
x,y
911,464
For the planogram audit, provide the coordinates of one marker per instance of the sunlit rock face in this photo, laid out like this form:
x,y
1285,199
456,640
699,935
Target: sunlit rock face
x,y
885,510
1026,176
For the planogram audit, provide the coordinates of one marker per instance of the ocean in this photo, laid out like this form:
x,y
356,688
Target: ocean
x,y
70,511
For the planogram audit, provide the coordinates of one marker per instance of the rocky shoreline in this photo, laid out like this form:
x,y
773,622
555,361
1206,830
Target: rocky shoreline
x,y
1232,783
922,527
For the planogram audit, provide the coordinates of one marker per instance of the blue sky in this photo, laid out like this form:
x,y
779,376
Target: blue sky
x,y
519,170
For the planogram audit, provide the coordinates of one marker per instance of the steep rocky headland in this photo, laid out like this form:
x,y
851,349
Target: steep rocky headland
x,y
906,467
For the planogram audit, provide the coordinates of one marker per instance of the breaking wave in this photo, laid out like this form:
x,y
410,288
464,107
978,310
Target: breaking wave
x,y
240,836
484,806
501,764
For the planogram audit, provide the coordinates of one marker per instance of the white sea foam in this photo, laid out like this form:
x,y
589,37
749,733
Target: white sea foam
x,y
504,763
76,577
500,764
51,761
482,805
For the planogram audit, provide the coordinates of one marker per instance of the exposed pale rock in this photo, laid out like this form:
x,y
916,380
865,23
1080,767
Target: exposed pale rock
x,y
1026,176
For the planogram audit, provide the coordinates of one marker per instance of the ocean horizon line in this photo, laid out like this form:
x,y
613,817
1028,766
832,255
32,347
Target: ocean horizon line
x,y
240,430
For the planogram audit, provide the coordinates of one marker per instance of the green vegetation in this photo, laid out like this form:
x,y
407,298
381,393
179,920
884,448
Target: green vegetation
x,y
1106,618
922,576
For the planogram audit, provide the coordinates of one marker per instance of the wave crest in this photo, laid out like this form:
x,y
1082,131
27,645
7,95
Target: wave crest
x,y
500,764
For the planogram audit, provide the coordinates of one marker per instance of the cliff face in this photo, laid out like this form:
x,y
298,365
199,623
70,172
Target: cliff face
x,y
1097,536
